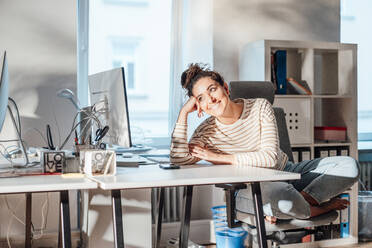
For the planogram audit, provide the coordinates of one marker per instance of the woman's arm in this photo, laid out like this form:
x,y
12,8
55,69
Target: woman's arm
x,y
207,155
266,154
179,153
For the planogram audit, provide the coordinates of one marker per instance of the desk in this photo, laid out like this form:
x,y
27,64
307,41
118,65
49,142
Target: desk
x,y
47,183
151,176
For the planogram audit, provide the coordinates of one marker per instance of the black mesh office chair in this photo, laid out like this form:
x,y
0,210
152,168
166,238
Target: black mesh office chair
x,y
283,231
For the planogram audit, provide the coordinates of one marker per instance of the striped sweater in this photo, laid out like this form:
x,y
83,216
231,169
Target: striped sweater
x,y
252,139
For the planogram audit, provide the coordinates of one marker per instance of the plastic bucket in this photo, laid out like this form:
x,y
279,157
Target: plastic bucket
x,y
230,238
226,237
365,215
219,211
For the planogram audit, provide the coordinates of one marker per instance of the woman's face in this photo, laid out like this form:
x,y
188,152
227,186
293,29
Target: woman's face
x,y
211,96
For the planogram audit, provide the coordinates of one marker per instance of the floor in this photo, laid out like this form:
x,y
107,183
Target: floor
x,y
360,245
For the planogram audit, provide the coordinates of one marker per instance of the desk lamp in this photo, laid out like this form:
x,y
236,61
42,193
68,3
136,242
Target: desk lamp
x,y
68,94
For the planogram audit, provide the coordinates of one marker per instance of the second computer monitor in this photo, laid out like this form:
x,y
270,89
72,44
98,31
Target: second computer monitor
x,y
4,89
108,95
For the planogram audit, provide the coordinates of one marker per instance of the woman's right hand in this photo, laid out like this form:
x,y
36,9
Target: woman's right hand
x,y
191,105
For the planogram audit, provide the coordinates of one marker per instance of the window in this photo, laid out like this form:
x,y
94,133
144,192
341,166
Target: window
x,y
137,36
125,54
355,23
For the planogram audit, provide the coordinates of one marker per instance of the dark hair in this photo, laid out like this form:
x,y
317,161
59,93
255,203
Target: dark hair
x,y
195,72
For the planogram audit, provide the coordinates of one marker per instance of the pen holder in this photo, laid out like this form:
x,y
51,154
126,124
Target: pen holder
x,y
98,162
79,148
53,161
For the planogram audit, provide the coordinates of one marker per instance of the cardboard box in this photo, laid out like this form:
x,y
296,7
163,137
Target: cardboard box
x,y
330,133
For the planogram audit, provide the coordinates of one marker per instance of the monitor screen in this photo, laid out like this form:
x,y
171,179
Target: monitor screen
x,y
4,90
109,97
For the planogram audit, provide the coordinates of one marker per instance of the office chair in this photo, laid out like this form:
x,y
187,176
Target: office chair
x,y
285,231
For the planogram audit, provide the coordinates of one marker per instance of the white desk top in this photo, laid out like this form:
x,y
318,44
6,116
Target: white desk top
x,y
44,183
151,176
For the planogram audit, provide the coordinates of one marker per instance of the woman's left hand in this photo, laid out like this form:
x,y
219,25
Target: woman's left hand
x,y
205,154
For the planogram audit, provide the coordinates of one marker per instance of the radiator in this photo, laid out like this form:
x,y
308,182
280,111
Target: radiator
x,y
172,203
366,174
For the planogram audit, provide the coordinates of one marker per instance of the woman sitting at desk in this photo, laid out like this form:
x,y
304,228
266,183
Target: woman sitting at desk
x,y
244,132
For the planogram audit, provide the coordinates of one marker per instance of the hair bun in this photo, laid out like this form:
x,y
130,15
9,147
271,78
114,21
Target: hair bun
x,y
193,70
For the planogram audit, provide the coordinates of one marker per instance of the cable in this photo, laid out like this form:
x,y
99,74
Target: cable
x,y
18,116
44,217
55,119
89,117
13,215
18,130
11,211
6,155
72,130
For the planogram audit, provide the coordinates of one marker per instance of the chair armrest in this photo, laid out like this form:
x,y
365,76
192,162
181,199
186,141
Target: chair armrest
x,y
231,186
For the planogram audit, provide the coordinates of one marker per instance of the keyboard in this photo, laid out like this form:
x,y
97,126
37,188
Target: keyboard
x,y
134,148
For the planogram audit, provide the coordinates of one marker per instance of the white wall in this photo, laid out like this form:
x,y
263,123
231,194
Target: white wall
x,y
40,39
240,21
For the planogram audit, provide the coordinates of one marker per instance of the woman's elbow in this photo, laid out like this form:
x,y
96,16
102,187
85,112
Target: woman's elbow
x,y
272,160
184,160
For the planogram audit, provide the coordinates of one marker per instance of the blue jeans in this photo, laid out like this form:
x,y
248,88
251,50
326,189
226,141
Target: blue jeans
x,y
321,178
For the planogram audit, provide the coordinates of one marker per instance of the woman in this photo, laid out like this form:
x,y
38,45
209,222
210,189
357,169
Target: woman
x,y
244,132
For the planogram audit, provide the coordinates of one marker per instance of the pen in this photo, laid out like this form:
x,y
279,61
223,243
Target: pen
x,y
50,138
76,138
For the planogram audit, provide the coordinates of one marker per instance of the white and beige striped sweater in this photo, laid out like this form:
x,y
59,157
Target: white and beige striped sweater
x,y
253,138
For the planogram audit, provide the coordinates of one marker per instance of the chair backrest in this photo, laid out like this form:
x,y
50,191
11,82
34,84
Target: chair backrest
x,y
264,89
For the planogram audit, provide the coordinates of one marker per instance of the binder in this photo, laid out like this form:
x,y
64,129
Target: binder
x,y
329,151
343,151
306,155
345,218
295,157
323,153
300,154
281,71
333,152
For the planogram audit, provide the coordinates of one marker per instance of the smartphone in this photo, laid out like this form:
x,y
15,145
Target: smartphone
x,y
169,166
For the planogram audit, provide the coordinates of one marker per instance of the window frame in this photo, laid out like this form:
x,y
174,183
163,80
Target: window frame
x,y
83,60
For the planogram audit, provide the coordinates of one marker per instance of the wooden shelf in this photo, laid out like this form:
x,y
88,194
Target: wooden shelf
x,y
300,145
321,144
332,96
292,96
314,96
330,70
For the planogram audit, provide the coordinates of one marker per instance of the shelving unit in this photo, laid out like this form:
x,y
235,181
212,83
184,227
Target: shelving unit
x,y
330,70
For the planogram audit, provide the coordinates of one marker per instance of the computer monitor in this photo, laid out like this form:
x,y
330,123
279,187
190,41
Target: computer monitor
x,y
4,101
4,90
108,93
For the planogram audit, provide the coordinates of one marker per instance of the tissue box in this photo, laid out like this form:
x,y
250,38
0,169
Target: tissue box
x,y
330,133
